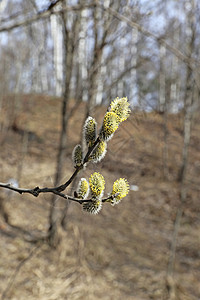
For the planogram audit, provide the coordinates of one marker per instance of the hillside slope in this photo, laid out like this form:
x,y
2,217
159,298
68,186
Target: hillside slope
x,y
123,252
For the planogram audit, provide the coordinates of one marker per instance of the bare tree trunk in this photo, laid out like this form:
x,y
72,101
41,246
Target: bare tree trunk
x,y
175,78
57,35
97,54
163,108
188,101
188,109
54,217
134,88
83,72
162,98
121,64
98,68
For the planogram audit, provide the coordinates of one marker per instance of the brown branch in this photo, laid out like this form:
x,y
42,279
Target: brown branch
x,y
86,158
81,201
55,190
36,191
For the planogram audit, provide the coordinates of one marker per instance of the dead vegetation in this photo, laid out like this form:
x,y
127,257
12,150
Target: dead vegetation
x,y
123,252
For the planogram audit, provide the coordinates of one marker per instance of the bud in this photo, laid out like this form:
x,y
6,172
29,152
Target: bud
x,y
120,189
120,106
93,206
99,152
97,185
110,125
77,156
90,131
83,189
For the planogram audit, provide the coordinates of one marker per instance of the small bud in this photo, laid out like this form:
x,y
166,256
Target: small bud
x,y
120,106
93,206
90,131
120,189
77,156
83,189
110,125
97,185
99,152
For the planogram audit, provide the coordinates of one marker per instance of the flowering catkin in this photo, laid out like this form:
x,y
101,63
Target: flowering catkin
x,y
77,156
120,189
120,106
93,206
90,131
83,189
110,125
99,152
97,185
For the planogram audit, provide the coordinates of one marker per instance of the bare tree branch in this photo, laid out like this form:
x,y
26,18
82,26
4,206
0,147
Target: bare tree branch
x,y
43,15
193,63
55,190
35,193
190,61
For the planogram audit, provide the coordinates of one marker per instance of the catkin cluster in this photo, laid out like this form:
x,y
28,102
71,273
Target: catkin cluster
x,y
118,112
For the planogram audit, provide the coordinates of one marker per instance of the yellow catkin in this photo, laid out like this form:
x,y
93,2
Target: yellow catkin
x,y
97,184
120,189
83,189
110,125
120,106
77,156
99,152
93,206
90,131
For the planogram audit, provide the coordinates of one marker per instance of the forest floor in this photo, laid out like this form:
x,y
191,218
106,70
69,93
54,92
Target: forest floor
x,y
121,253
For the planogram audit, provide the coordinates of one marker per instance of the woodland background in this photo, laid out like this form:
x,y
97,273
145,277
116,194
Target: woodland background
x,y
60,62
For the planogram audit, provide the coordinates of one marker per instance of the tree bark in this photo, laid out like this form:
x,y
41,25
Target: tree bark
x,y
55,213
188,113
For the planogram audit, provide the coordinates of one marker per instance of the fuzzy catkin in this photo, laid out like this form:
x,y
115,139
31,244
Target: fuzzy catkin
x,y
83,189
99,152
93,206
77,156
90,131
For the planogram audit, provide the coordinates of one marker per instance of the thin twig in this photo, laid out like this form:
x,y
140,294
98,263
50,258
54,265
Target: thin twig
x,y
55,190
44,15
51,190
191,62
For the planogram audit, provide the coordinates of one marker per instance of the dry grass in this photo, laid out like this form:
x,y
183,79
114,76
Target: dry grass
x,y
122,253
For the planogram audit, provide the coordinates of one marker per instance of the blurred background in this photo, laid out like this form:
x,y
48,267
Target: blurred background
x,y
60,62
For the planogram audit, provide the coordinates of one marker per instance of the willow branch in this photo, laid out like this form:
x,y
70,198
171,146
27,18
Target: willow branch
x,y
36,191
86,158
55,190
81,201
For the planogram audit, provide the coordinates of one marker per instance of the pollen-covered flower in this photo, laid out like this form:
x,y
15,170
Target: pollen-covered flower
x,y
120,106
83,189
77,156
120,189
90,131
110,125
97,185
99,152
93,206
